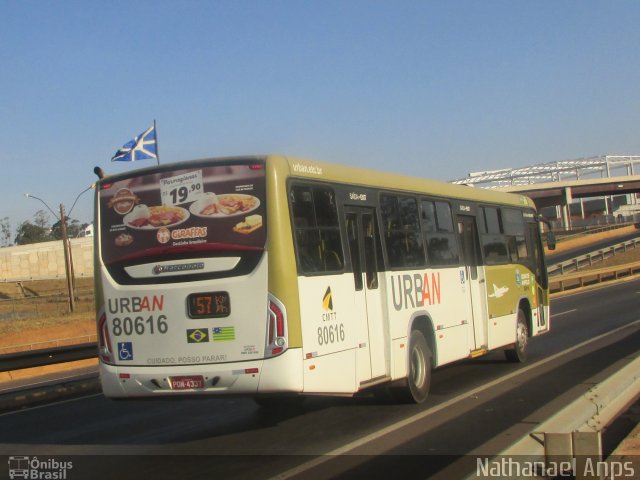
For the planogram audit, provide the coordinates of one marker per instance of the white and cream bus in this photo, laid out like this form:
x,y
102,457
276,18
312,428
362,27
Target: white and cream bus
x,y
270,276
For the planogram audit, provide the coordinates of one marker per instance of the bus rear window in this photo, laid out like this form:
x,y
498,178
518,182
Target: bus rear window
x,y
203,206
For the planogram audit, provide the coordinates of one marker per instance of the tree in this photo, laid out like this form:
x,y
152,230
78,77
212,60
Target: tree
x,y
28,233
5,232
73,229
41,219
38,231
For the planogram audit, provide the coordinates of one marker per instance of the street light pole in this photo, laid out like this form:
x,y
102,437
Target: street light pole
x,y
73,277
66,244
93,185
66,248
55,215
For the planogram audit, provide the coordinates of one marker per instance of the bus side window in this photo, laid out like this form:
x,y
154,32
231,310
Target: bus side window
x,y
317,232
514,230
308,250
331,250
354,248
302,207
437,229
494,245
403,241
371,250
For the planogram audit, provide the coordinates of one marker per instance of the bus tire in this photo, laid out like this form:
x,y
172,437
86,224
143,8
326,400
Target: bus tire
x,y
419,374
518,354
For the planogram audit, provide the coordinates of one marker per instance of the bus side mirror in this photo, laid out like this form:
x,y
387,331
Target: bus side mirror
x,y
551,240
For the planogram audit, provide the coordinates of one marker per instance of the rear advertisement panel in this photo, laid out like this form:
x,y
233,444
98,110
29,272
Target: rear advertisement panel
x,y
195,206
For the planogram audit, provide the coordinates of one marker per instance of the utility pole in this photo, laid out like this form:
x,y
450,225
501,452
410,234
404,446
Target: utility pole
x,y
68,261
66,245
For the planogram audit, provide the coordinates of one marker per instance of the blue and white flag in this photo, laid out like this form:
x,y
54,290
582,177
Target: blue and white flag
x,y
142,147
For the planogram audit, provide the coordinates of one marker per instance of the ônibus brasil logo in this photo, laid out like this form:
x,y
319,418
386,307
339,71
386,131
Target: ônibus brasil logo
x,y
35,468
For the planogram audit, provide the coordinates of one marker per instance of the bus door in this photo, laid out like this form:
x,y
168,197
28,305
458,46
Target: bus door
x,y
364,247
540,271
474,279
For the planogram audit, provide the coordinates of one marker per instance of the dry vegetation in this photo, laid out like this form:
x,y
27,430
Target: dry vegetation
x,y
35,311
9,327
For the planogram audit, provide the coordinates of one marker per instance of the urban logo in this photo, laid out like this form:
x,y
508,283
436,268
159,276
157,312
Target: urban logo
x,y
36,469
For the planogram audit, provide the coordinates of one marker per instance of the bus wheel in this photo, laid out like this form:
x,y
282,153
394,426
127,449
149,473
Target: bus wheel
x,y
419,375
518,354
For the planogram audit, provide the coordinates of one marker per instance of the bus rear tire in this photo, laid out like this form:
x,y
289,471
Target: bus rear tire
x,y
419,374
519,353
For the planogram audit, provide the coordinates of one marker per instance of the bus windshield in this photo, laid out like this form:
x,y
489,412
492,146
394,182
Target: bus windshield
x,y
204,208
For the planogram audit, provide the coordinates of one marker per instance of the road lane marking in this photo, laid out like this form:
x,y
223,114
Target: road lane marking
x,y
419,416
553,314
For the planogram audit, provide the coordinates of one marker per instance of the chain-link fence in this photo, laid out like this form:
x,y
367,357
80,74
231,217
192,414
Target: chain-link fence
x,y
44,298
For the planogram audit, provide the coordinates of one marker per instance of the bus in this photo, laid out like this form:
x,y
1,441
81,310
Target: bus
x,y
272,277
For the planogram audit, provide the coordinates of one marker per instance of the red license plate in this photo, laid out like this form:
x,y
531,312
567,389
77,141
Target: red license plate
x,y
187,382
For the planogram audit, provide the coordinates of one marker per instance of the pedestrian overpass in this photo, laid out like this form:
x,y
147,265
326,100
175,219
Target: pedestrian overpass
x,y
566,186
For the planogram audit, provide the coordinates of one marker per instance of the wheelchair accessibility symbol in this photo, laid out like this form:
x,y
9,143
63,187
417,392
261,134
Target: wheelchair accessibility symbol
x,y
125,350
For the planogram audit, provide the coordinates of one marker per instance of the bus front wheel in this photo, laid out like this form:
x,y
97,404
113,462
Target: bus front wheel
x,y
419,374
518,353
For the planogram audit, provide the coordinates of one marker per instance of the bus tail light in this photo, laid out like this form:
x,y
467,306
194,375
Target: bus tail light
x,y
276,328
104,341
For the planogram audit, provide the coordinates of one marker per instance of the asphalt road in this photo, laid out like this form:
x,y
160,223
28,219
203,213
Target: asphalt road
x,y
476,408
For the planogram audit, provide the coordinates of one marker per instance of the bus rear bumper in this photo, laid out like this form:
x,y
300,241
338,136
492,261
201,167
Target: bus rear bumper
x,y
278,374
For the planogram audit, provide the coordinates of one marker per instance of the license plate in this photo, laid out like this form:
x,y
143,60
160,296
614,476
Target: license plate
x,y
188,382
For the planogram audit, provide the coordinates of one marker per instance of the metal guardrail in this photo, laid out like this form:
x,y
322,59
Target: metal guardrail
x,y
573,433
588,230
48,356
590,258
56,342
590,277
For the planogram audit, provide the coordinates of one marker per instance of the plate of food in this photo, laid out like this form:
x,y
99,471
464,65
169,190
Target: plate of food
x,y
224,205
143,217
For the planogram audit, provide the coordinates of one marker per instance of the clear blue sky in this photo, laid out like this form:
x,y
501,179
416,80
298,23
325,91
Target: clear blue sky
x,y
428,88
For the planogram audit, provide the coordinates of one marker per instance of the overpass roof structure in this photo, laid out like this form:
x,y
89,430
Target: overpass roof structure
x,y
605,166
560,193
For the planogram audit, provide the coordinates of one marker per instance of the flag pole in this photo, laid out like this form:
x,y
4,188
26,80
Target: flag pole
x,y
155,130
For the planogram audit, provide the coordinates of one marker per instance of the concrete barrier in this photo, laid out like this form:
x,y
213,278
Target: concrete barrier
x,y
560,438
42,261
